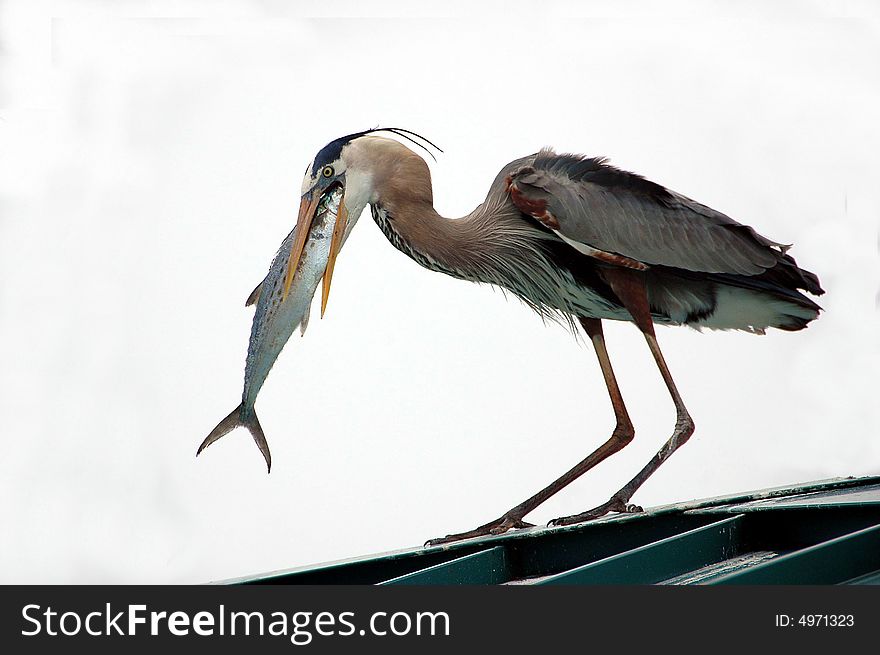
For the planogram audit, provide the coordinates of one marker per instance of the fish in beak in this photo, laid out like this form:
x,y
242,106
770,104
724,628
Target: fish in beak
x,y
276,319
335,245
310,205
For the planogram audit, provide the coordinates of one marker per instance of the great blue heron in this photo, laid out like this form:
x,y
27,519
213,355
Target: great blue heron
x,y
579,240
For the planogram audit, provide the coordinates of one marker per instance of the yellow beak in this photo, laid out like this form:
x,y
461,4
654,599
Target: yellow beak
x,y
307,207
335,245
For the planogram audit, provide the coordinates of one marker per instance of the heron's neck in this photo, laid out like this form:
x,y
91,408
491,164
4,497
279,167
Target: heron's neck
x,y
451,246
402,202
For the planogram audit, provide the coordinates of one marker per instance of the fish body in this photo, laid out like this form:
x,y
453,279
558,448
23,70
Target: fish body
x,y
276,316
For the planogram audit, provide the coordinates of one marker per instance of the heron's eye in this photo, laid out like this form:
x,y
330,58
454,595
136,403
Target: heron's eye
x,y
327,172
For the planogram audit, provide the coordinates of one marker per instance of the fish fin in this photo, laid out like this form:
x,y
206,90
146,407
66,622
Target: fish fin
x,y
304,323
255,295
237,417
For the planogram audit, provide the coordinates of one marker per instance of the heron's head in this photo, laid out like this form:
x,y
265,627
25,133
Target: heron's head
x,y
365,167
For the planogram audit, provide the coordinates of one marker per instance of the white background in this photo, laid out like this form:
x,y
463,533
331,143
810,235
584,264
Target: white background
x,y
151,156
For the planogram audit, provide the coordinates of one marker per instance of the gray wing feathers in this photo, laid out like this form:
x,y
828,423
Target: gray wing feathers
x,y
619,212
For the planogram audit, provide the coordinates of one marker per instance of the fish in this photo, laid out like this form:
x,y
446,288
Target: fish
x,y
278,315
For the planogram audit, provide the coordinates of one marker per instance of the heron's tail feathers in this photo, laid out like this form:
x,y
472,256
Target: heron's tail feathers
x,y
245,417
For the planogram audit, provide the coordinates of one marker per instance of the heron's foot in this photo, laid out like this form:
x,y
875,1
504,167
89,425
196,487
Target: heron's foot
x,y
614,505
498,526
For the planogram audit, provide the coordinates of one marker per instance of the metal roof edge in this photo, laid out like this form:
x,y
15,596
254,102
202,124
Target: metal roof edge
x,y
538,531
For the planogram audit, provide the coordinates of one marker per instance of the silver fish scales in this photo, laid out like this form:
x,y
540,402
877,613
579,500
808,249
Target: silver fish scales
x,y
277,316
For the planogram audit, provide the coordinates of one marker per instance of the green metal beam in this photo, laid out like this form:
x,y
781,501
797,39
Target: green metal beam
x,y
662,559
555,551
868,579
366,570
829,562
484,567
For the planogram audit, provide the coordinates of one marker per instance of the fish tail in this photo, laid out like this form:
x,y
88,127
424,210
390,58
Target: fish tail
x,y
244,417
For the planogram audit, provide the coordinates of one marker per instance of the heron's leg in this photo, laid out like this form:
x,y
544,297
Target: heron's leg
x,y
684,424
622,435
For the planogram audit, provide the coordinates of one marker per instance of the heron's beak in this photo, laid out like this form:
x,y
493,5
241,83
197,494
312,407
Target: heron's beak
x,y
307,207
335,245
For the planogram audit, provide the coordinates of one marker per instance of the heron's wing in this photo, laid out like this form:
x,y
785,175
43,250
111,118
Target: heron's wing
x,y
625,219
